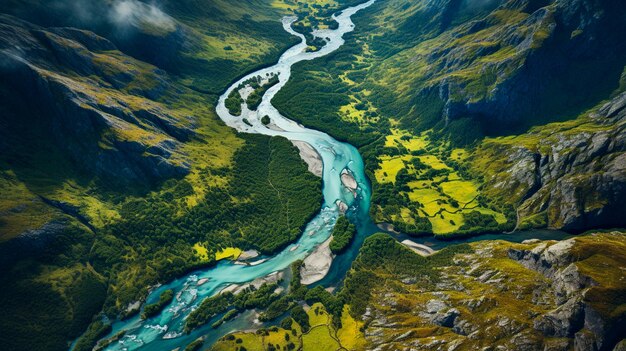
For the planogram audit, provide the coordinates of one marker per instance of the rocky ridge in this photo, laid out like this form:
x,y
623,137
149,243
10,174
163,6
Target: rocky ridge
x,y
574,317
538,295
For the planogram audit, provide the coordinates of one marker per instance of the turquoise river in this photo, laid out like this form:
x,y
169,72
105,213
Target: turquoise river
x,y
165,331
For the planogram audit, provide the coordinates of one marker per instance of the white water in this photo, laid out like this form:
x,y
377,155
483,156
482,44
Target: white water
x,y
164,332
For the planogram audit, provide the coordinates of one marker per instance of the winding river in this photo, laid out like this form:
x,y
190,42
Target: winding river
x,y
164,332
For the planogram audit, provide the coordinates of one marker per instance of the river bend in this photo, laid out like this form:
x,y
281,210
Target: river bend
x,y
164,331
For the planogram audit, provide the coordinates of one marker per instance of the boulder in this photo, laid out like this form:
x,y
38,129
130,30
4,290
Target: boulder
x,y
564,321
447,318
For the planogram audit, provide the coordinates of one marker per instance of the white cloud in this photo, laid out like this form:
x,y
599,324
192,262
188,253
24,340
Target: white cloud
x,y
136,13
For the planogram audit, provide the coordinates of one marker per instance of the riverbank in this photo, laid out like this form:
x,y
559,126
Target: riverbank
x,y
419,249
311,157
317,264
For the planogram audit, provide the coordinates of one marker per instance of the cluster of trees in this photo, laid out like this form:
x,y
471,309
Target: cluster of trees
x,y
254,99
301,317
153,309
277,308
208,309
420,225
95,331
234,100
476,219
225,318
195,345
296,289
248,299
343,233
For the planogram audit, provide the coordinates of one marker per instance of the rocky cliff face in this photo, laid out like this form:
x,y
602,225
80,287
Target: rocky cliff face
x,y
529,74
95,104
577,315
568,175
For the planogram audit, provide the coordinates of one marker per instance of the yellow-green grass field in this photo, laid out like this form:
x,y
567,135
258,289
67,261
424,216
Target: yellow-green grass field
x,y
433,161
389,166
201,252
463,191
319,338
350,335
442,222
437,194
231,253
413,143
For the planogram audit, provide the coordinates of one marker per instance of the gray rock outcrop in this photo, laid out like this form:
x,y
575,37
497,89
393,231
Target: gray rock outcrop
x,y
577,179
574,317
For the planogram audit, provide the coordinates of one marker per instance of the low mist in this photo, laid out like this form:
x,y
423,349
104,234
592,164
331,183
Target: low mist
x,y
136,13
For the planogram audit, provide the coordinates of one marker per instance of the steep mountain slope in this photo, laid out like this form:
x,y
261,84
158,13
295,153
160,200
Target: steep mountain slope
x,y
569,175
209,43
98,107
521,63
